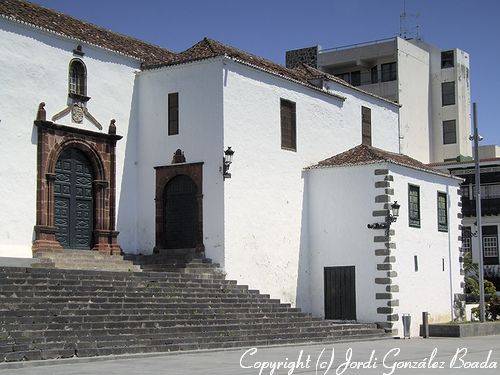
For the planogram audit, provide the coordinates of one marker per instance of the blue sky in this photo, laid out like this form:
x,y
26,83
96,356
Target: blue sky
x,y
269,28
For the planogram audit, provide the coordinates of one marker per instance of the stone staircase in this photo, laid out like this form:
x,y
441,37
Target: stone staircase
x,y
60,313
86,260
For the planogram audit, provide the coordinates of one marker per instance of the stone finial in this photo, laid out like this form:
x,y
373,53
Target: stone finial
x,y
112,127
178,157
41,115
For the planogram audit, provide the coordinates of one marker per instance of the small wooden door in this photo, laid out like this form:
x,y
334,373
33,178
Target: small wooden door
x,y
340,293
73,200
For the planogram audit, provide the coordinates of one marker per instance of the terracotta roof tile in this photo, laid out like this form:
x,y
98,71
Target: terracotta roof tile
x,y
44,18
364,154
208,48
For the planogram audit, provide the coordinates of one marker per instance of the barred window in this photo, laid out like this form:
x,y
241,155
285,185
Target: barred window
x,y
173,113
414,205
447,59
366,126
442,209
288,125
389,72
77,80
448,93
490,246
449,132
466,239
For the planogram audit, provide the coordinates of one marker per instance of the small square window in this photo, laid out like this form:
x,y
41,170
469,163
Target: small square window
x,y
447,59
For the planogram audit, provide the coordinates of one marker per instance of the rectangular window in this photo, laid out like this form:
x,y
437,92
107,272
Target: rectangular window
x,y
366,126
490,244
442,263
344,76
415,263
414,206
449,132
466,239
288,125
448,93
442,212
356,78
389,72
374,74
173,113
447,59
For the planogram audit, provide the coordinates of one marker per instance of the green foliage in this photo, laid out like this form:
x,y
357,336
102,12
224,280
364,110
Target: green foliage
x,y
492,306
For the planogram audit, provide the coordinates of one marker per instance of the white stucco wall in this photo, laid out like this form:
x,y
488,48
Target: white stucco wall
x,y
413,95
341,202
200,137
338,217
430,288
265,225
34,68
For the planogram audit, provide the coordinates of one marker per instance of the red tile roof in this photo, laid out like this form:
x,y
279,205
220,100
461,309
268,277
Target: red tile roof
x,y
154,56
209,48
364,154
47,19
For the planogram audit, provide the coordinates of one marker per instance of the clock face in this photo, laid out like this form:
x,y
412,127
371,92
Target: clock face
x,y
77,113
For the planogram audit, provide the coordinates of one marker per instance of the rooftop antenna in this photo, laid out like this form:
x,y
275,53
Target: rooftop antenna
x,y
408,24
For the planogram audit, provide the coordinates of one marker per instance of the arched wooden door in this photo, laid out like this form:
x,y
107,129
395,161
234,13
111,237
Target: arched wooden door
x,y
73,200
180,213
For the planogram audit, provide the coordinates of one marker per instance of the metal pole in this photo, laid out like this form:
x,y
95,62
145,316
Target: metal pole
x,y
478,216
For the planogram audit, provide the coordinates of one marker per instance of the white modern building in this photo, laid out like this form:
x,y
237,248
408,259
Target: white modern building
x,y
156,177
489,156
432,86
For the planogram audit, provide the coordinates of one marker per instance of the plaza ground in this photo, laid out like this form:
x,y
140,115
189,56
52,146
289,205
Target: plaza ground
x,y
228,362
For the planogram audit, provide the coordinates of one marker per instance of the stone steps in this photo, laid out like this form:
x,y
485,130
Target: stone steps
x,y
54,313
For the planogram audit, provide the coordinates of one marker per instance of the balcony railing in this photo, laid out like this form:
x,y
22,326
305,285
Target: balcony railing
x,y
488,191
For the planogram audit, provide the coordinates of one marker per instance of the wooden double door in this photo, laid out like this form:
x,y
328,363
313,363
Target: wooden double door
x,y
74,200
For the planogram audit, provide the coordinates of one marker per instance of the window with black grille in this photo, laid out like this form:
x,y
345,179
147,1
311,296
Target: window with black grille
x,y
448,93
366,126
288,125
447,59
442,212
77,80
173,113
389,72
414,206
449,132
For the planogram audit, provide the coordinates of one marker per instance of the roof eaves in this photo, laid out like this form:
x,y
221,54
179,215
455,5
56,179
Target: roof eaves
x,y
381,161
13,19
243,62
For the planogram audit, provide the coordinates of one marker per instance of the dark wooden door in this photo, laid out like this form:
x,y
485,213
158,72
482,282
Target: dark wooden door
x,y
181,213
340,293
73,200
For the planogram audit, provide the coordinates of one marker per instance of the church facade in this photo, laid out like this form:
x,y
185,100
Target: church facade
x,y
111,144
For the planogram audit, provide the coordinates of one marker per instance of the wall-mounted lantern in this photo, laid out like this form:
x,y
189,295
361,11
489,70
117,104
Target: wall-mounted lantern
x,y
391,217
227,160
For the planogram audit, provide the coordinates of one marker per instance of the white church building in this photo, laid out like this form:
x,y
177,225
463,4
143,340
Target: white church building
x,y
111,144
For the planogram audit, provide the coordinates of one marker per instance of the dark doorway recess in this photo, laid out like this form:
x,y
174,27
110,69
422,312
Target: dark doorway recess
x,y
340,293
181,213
73,200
